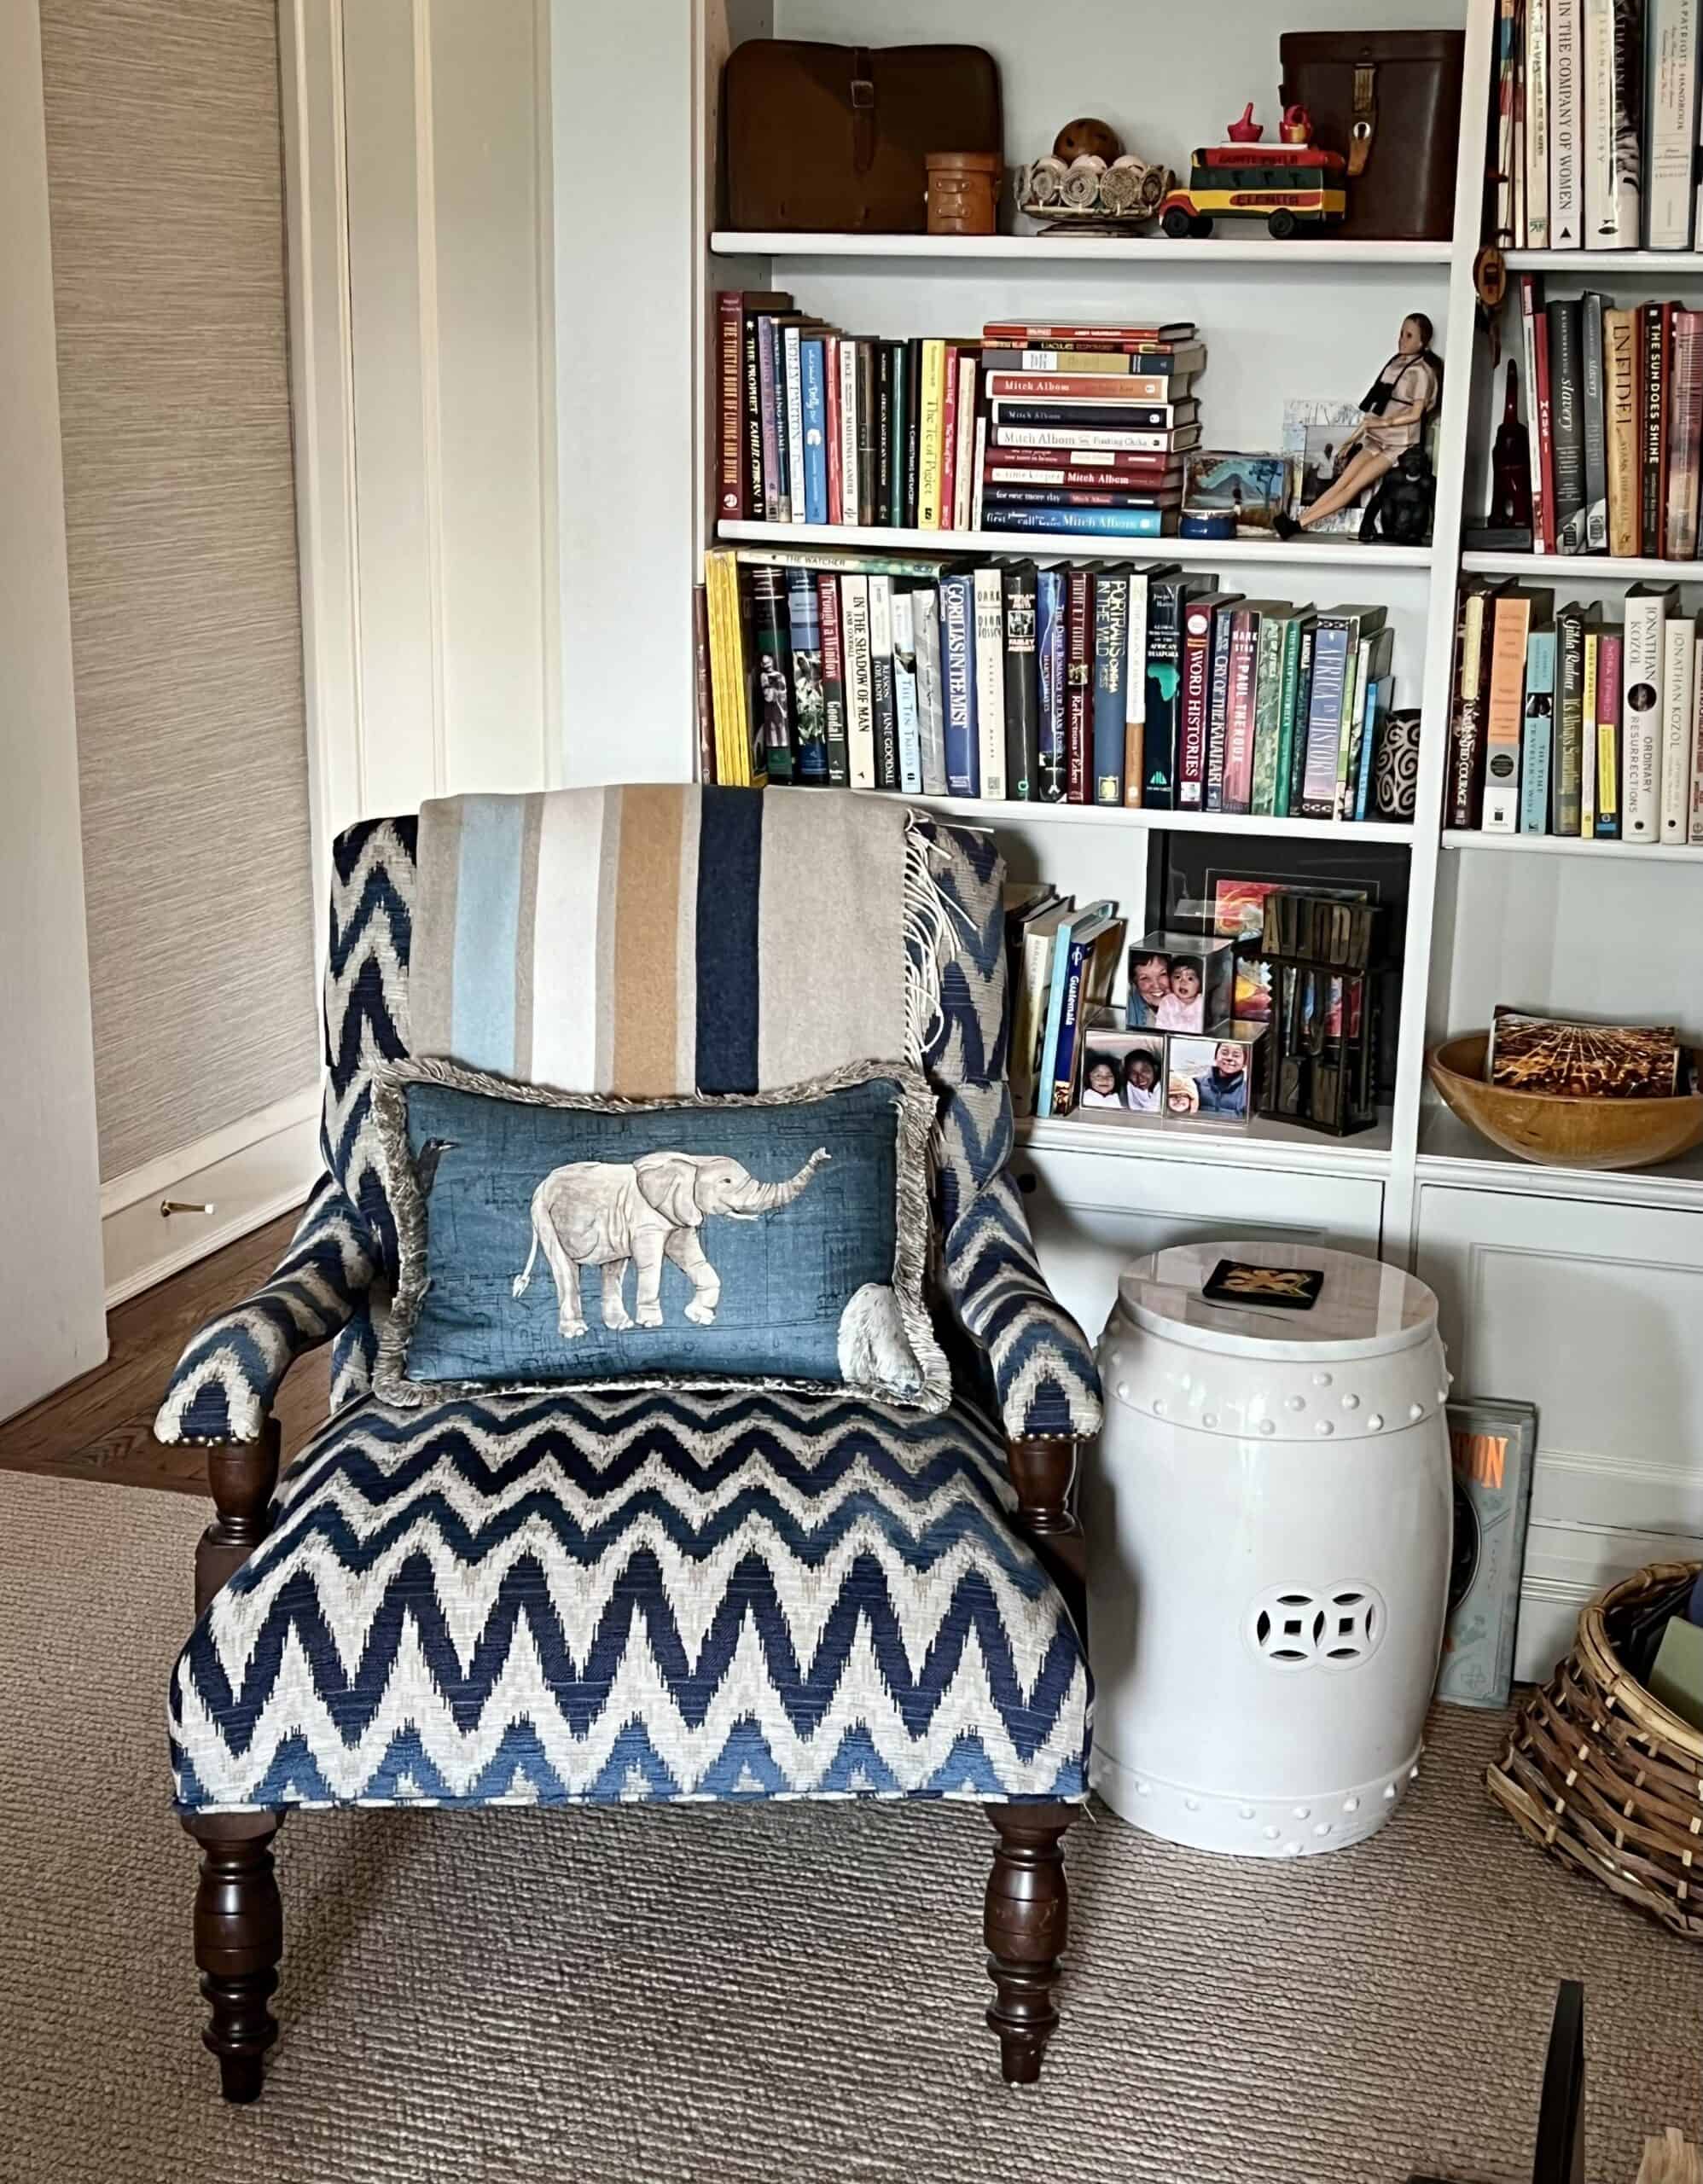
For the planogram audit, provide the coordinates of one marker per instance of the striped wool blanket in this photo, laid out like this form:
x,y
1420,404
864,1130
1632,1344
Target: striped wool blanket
x,y
658,940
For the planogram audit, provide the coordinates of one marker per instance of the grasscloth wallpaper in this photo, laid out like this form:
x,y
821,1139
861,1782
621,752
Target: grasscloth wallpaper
x,y
164,166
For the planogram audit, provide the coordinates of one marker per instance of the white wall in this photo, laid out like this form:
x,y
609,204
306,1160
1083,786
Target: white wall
x,y
51,1324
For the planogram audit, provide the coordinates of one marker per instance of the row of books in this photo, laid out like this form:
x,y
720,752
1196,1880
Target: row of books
x,y
1013,680
1085,426
1565,723
1615,425
1596,124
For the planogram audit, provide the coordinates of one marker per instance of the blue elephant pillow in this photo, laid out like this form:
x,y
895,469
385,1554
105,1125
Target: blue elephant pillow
x,y
547,1238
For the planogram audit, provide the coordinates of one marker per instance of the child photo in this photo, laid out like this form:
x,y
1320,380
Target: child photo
x,y
1183,1007
1149,985
1122,1069
1215,1073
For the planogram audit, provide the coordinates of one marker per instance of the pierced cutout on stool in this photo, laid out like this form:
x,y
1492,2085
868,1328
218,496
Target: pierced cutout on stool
x,y
1295,1630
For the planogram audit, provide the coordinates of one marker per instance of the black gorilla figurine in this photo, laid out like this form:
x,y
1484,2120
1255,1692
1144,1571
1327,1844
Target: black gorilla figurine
x,y
1399,510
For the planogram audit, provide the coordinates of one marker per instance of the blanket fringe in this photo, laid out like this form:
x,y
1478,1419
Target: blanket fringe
x,y
929,939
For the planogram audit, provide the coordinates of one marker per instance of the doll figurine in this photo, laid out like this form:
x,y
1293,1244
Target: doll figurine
x,y
1393,414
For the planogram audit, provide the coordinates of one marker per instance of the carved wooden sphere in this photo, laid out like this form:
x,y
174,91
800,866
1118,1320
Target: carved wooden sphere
x,y
1087,136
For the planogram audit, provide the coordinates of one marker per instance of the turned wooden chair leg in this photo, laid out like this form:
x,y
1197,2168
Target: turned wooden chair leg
x,y
239,1918
239,1939
1025,1923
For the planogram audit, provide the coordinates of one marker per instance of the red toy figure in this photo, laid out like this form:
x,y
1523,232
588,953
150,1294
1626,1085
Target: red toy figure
x,y
1297,126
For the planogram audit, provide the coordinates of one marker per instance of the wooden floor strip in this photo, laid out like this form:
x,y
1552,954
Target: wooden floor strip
x,y
101,1426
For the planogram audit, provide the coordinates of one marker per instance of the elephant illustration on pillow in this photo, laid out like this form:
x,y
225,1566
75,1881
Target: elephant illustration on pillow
x,y
603,1213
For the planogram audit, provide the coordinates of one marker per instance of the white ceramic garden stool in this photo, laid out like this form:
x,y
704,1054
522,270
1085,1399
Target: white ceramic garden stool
x,y
1268,1518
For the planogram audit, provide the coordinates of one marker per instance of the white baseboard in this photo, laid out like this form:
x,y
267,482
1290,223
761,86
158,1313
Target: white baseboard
x,y
248,1172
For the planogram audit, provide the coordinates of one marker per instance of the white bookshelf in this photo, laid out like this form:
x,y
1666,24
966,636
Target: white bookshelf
x,y
1538,1268
1574,845
1044,254
1294,554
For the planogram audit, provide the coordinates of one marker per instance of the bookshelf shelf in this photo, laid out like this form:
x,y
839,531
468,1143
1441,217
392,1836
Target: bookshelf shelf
x,y
982,810
1264,1144
1642,263
1036,252
1581,568
1574,845
1321,553
1451,1153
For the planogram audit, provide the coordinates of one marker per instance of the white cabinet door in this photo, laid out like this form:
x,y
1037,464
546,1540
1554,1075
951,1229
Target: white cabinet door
x,y
1592,1311
1091,1214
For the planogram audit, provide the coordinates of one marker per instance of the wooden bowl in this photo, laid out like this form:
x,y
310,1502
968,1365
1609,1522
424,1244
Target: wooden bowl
x,y
1557,1130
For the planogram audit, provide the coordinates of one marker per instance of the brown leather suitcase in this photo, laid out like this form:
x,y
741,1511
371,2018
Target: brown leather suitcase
x,y
1389,102
831,138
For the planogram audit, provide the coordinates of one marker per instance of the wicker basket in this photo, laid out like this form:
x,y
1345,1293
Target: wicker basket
x,y
1602,1775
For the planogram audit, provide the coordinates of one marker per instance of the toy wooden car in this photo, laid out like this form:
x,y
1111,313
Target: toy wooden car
x,y
1288,186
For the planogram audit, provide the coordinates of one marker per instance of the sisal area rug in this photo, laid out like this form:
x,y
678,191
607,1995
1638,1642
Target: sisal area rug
x,y
794,1994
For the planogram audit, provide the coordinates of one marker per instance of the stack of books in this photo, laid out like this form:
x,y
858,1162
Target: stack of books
x,y
1615,425
820,426
1125,683
1565,723
1087,426
1596,124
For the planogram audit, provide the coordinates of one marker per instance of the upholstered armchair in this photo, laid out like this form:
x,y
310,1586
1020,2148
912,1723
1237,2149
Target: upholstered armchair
x,y
442,1606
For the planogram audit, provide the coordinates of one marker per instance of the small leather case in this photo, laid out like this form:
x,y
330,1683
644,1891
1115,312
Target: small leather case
x,y
1389,102
831,138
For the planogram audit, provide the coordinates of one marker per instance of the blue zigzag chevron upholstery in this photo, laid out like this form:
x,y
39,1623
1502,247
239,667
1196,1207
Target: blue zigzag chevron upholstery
x,y
565,1599
1042,1369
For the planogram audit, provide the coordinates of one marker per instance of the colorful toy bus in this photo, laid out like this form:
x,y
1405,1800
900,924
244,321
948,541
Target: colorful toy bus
x,y
1288,186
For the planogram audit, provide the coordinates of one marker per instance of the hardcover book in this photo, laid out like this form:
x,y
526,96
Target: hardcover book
x,y
1566,385
1670,96
1492,1447
1166,600
1537,737
1022,696
905,708
1198,617
774,679
1646,611
958,656
1078,682
881,682
834,683
989,643
1620,401
1516,611
1465,735
1678,660
1567,194
1050,616
1610,672
1111,662
1596,539
809,722
930,717
1569,719
1684,436
860,702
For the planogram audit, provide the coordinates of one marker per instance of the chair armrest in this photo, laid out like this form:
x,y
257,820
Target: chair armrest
x,y
226,1381
1043,1370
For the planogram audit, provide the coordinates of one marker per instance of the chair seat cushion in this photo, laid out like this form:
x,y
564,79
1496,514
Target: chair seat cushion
x,y
566,1598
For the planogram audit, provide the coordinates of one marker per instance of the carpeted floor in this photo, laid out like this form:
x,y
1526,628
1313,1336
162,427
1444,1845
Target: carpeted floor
x,y
794,1994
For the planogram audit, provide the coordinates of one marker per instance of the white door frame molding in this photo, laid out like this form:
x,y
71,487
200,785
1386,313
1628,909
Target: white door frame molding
x,y
323,403
391,663
50,1282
